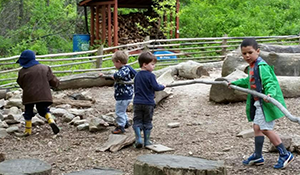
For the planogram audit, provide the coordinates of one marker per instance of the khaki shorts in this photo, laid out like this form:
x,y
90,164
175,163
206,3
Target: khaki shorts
x,y
259,118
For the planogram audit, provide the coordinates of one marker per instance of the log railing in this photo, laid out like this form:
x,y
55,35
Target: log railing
x,y
197,49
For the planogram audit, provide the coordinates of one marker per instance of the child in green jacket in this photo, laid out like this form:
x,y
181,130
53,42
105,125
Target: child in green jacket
x,y
261,78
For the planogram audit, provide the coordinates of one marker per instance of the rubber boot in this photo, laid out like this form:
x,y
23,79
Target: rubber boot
x,y
138,138
28,126
52,124
147,141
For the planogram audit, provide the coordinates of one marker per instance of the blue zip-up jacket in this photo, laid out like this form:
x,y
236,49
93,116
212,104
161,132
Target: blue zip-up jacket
x,y
145,85
124,91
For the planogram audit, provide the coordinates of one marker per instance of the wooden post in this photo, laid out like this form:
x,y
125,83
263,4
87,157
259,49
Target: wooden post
x,y
97,24
103,24
92,25
147,38
99,60
224,43
177,19
109,24
171,25
116,23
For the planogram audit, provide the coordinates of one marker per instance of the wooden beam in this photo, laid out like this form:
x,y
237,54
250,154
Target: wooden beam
x,y
116,23
103,26
101,3
171,26
84,2
97,23
92,25
109,24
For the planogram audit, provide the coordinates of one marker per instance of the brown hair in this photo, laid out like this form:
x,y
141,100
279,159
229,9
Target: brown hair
x,y
121,56
146,57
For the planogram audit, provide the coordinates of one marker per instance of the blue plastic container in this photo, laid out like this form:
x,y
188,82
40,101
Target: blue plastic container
x,y
164,57
81,42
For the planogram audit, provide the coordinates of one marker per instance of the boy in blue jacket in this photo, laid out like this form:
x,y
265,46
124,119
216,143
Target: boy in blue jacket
x,y
145,85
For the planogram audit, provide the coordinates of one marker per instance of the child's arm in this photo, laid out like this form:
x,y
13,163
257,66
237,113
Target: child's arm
x,y
243,82
122,74
53,81
268,80
155,85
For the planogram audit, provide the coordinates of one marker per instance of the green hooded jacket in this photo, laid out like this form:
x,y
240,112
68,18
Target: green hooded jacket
x,y
270,86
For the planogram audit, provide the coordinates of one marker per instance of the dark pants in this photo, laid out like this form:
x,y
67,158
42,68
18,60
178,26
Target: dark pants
x,y
143,115
41,107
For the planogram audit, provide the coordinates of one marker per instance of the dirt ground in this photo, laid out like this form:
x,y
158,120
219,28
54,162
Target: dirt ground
x,y
207,130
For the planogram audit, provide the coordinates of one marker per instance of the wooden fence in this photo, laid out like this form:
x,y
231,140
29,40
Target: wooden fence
x,y
168,51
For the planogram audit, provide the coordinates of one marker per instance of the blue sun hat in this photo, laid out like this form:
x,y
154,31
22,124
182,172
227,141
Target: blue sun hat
x,y
27,59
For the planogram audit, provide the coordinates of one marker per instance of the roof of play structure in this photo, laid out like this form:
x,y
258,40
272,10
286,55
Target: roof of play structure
x,y
121,3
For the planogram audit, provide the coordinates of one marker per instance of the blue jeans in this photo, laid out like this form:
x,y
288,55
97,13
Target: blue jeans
x,y
41,107
121,107
143,115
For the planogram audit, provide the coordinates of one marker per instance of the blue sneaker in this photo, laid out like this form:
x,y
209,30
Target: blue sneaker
x,y
283,161
252,160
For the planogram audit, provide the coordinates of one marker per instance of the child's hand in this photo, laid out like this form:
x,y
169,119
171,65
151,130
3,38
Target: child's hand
x,y
265,99
101,74
228,85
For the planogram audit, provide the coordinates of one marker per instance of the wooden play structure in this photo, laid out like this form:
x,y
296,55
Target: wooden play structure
x,y
101,27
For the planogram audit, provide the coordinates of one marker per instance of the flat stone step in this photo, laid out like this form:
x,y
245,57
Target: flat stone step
x,y
25,167
97,171
165,164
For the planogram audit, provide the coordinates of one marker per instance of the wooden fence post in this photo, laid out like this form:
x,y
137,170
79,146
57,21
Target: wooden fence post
x,y
99,60
147,38
224,43
299,38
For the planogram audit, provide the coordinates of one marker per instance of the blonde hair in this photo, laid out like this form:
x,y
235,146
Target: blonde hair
x,y
121,56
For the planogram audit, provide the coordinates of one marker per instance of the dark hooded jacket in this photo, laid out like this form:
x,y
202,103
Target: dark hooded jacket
x,y
35,79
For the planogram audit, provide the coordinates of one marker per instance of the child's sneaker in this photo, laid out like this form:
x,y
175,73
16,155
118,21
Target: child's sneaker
x,y
118,130
283,161
252,160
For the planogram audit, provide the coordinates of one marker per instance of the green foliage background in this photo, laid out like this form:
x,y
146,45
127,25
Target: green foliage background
x,y
214,18
48,28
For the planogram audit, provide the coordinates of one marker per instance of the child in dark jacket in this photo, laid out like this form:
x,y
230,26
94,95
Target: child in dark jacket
x,y
145,85
36,79
123,92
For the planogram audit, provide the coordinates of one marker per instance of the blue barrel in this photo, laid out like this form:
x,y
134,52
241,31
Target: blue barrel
x,y
81,42
166,56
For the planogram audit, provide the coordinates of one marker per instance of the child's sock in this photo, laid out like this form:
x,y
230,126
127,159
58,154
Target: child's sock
x,y
259,141
282,150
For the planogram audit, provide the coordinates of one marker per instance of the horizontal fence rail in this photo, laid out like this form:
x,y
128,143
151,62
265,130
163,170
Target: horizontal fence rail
x,y
168,52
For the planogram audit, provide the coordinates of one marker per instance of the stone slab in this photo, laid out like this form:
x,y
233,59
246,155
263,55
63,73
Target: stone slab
x,y
159,148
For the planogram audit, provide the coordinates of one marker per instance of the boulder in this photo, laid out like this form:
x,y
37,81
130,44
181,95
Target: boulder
x,y
222,94
285,59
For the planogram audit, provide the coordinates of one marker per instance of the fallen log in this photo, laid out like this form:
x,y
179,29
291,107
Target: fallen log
x,y
252,92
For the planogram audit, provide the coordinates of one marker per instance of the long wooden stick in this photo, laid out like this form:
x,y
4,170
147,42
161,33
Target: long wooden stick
x,y
252,92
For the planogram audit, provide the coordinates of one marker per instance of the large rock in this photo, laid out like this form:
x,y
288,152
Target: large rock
x,y
222,94
285,59
25,167
165,164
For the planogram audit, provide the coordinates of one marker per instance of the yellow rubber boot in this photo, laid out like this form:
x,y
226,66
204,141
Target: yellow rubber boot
x,y
52,123
28,126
